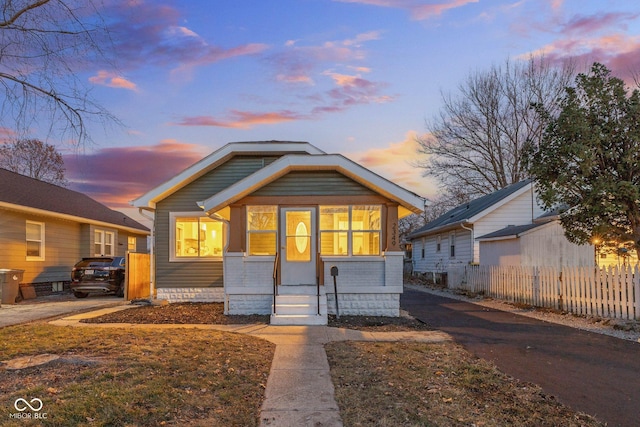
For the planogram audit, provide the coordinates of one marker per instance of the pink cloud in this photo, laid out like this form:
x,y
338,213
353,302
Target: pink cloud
x,y
297,63
153,34
417,10
354,90
7,135
423,12
242,119
396,163
109,79
588,25
114,176
619,52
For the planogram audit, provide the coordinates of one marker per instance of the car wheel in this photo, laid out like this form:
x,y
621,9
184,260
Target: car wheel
x,y
120,291
80,294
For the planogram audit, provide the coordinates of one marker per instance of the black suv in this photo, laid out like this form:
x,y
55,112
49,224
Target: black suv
x,y
98,275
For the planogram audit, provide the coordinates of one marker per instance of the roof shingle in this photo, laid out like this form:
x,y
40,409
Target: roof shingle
x,y
24,191
465,211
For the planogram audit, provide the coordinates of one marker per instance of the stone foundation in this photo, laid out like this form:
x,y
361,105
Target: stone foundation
x,y
365,304
249,304
191,294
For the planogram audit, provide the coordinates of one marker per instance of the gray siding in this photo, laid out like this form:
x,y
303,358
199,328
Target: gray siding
x,y
197,273
317,183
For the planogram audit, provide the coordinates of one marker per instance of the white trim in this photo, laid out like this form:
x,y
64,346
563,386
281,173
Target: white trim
x,y
80,219
516,235
367,258
499,203
294,162
214,160
172,238
41,257
103,242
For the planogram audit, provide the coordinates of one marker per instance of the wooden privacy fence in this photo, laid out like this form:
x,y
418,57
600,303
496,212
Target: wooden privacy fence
x,y
606,292
137,276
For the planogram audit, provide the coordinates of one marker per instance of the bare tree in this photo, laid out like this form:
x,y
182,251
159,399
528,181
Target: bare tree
x,y
33,158
43,46
474,145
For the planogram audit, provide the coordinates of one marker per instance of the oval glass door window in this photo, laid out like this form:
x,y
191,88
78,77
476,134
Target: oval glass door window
x,y
302,237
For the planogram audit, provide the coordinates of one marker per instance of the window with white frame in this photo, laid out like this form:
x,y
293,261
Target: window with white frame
x,y
262,230
350,230
35,241
195,236
103,243
452,245
131,243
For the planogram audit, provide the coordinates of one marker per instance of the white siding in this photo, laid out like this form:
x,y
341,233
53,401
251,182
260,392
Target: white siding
x,y
500,252
545,246
520,210
439,261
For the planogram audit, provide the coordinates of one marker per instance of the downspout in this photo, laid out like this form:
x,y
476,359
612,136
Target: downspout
x,y
152,258
473,242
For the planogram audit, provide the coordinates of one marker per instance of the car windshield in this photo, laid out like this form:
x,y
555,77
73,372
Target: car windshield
x,y
106,262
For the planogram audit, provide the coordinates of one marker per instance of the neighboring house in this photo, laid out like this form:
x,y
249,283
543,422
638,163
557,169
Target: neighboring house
x,y
252,211
541,243
450,240
45,229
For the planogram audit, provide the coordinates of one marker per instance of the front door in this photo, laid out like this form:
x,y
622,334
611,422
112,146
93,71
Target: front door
x,y
298,246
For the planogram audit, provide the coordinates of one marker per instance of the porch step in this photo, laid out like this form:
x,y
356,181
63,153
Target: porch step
x,y
298,305
298,319
299,290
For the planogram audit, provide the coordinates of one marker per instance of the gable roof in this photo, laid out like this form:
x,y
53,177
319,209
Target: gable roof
x,y
215,159
334,162
468,213
23,193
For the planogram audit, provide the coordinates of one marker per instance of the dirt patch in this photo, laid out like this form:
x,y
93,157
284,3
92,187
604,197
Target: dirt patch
x,y
417,384
179,313
213,314
379,323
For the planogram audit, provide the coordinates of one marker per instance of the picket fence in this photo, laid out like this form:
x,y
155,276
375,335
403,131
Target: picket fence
x,y
605,292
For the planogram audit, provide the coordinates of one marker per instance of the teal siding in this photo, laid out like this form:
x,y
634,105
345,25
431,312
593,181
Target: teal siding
x,y
314,183
197,273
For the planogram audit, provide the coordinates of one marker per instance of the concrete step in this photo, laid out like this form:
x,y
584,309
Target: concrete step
x,y
299,308
299,299
300,304
298,319
300,290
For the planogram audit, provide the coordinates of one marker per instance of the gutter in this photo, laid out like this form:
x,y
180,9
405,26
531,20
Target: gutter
x,y
440,229
473,241
69,217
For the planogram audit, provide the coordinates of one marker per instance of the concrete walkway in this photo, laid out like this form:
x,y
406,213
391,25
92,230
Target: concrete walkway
x,y
48,307
299,390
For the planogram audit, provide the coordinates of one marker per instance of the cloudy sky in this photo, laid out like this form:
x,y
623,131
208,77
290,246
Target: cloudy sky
x,y
356,77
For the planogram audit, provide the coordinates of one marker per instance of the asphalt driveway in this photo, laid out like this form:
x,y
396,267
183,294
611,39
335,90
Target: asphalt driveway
x,y
590,372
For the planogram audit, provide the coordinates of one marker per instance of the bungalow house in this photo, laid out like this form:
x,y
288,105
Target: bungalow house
x,y
266,226
46,229
450,240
